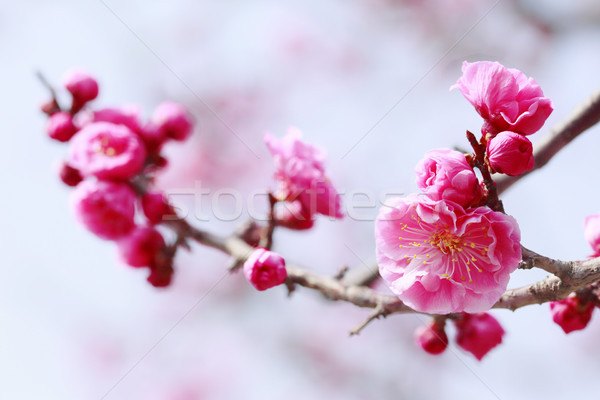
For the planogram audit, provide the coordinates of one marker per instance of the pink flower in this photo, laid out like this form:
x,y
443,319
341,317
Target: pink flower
x,y
129,115
505,98
478,333
444,174
440,258
173,120
60,126
265,269
161,272
432,338
156,207
107,151
592,232
510,153
83,87
571,313
141,246
104,208
300,172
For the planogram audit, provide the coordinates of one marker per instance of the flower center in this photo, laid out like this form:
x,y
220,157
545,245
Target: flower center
x,y
447,242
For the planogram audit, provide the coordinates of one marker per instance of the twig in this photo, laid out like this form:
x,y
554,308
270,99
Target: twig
x,y
583,117
378,311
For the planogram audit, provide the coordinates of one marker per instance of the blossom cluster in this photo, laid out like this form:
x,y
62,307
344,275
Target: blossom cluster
x,y
112,159
452,249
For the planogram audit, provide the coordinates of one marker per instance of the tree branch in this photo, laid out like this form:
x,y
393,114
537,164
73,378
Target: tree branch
x,y
582,118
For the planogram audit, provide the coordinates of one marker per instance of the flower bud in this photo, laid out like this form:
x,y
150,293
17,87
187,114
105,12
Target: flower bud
x,y
478,333
156,207
265,269
60,126
592,231
432,338
510,153
571,313
293,215
141,246
104,208
172,119
83,87
69,175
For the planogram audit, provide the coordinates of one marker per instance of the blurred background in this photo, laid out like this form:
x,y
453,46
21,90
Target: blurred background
x,y
366,80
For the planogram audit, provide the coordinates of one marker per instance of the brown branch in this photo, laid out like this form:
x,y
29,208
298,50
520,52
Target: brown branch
x,y
583,117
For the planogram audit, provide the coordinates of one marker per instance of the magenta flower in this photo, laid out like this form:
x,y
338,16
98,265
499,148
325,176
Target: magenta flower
x,y
432,338
293,215
505,98
105,208
571,313
141,246
478,333
300,172
444,174
129,115
156,207
440,258
510,153
265,269
60,126
69,175
173,120
592,232
83,86
107,151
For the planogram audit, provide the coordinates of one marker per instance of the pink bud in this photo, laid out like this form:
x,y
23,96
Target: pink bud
x,y
140,247
153,136
69,175
127,115
432,338
60,126
82,86
265,269
156,207
571,313
592,231
105,208
510,153
478,333
293,215
173,119
161,272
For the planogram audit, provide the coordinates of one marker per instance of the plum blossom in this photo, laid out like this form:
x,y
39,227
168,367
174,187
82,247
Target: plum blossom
x,y
82,86
265,269
432,338
505,98
172,120
571,313
478,333
440,258
300,172
510,153
592,232
156,207
141,246
128,115
444,174
105,208
107,151
60,126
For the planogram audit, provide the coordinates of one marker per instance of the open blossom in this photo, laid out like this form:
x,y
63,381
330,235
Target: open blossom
x,y
105,208
478,333
505,98
510,153
141,246
129,115
432,338
107,151
571,313
444,174
265,269
592,232
300,172
440,258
